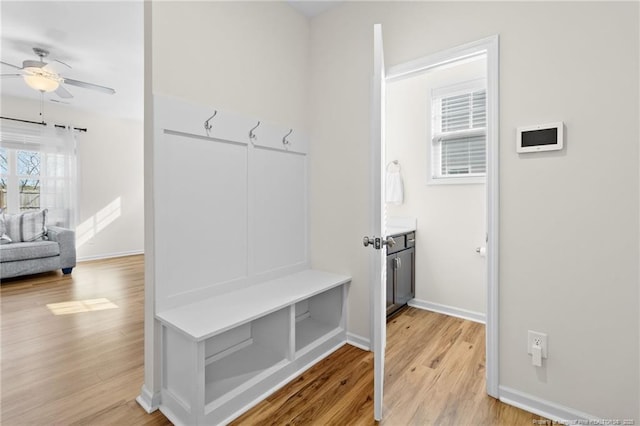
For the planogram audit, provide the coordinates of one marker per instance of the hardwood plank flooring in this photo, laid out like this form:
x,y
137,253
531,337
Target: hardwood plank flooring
x,y
79,368
434,375
86,368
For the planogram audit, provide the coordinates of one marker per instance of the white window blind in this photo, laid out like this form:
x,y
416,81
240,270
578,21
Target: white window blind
x,y
459,120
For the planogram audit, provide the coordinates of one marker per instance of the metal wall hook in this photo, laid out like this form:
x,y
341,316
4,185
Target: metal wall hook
x,y
207,125
251,134
284,139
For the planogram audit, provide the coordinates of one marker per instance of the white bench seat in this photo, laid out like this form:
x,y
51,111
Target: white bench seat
x,y
224,354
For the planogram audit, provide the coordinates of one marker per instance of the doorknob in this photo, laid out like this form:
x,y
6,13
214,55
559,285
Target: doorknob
x,y
377,242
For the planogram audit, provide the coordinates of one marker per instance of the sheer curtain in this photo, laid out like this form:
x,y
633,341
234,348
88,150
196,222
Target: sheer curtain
x,y
55,174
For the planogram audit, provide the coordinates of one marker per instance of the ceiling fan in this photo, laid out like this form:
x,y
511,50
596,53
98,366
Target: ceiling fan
x,y
41,76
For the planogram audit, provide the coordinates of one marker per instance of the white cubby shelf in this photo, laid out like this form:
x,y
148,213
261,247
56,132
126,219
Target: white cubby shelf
x,y
222,355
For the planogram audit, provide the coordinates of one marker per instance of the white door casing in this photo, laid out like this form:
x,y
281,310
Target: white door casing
x,y
378,266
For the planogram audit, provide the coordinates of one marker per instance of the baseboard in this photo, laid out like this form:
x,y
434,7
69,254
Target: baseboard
x,y
448,310
109,255
550,410
358,341
147,400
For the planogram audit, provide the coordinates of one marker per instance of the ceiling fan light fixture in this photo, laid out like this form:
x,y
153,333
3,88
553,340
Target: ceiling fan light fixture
x,y
36,80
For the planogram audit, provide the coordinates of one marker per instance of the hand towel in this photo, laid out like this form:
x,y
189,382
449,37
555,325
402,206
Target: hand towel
x,y
393,187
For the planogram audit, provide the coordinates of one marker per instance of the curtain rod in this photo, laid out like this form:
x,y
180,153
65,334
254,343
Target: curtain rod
x,y
42,123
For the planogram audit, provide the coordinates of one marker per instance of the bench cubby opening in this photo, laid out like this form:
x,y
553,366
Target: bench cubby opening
x,y
241,357
318,318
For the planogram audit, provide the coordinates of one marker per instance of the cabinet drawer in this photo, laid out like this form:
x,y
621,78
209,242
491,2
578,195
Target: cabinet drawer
x,y
399,245
411,239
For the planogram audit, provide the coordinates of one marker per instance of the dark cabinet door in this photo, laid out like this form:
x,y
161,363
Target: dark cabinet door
x,y
404,276
390,282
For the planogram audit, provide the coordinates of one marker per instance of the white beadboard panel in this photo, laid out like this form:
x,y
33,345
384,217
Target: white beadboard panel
x,y
280,201
201,237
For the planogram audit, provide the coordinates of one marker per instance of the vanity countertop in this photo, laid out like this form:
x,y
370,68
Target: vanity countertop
x,y
397,230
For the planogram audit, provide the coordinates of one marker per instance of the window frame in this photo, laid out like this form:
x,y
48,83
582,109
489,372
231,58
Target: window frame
x,y
13,179
436,135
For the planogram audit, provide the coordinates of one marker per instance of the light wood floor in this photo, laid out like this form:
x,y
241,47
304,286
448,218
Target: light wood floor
x,y
86,367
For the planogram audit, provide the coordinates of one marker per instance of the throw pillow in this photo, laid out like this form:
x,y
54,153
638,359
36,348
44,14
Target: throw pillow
x,y
26,227
4,238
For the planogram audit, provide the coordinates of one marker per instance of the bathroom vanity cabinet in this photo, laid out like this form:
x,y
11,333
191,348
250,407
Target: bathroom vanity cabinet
x,y
400,271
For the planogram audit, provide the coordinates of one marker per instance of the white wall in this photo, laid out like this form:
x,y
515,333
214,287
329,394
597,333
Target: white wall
x,y
451,220
569,220
110,163
249,57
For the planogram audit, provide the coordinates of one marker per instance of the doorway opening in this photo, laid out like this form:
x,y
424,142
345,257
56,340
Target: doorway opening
x,y
444,163
435,149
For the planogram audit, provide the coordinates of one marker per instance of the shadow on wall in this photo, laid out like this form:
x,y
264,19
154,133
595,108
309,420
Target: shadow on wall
x,y
98,222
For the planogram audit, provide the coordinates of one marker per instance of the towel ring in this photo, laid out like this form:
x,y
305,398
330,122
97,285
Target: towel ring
x,y
393,163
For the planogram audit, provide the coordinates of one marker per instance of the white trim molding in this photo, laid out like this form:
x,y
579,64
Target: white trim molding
x,y
359,342
448,310
550,410
147,400
110,255
492,45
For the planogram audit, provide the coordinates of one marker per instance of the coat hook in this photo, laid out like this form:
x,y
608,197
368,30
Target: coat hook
x,y
208,126
251,134
284,139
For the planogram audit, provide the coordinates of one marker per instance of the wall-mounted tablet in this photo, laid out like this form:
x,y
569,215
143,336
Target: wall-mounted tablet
x,y
541,137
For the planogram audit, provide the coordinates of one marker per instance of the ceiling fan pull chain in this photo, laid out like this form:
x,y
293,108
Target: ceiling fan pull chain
x,y
42,106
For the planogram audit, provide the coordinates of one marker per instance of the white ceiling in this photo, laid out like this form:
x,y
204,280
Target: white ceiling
x,y
101,41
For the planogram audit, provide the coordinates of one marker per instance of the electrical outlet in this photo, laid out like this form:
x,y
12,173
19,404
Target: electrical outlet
x,y
534,337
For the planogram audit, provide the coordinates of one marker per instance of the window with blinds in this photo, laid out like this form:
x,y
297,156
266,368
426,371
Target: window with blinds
x,y
459,131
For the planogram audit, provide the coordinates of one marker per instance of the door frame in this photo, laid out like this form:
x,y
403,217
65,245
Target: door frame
x,y
490,46
378,264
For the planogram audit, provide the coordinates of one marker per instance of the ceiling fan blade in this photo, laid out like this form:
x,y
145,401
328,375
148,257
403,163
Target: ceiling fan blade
x,y
63,63
10,65
10,75
92,86
63,93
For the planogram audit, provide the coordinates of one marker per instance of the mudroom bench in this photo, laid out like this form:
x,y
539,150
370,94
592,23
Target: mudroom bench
x,y
221,356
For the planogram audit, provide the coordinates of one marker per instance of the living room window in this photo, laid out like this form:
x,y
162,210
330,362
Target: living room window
x,y
20,179
38,171
459,133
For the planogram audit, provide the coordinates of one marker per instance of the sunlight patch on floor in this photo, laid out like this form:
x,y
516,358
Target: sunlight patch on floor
x,y
78,306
